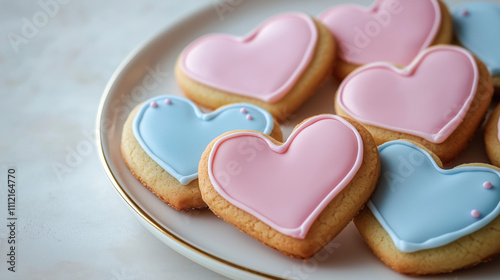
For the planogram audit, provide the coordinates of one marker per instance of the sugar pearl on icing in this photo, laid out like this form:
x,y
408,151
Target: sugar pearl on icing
x,y
487,185
243,111
475,214
249,117
465,12
168,101
153,104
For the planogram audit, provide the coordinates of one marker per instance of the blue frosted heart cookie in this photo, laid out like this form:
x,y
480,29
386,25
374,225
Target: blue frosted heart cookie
x,y
477,27
164,137
423,219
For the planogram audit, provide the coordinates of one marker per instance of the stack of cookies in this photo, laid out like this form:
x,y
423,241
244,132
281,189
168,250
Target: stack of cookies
x,y
416,84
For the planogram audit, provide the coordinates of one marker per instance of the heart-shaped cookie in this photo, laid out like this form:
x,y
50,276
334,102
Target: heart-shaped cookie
x,y
429,99
172,133
427,211
477,28
263,67
422,206
391,31
414,100
288,186
306,159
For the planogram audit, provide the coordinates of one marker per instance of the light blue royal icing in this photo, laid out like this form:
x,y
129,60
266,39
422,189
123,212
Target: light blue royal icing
x,y
422,206
477,26
175,135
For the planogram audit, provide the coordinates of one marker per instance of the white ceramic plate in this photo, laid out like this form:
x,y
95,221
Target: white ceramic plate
x,y
199,235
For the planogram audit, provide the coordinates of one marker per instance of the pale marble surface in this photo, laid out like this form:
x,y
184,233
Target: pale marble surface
x,y
55,61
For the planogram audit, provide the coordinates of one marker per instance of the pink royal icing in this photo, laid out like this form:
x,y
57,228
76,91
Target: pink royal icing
x,y
475,214
391,30
429,98
287,186
264,64
487,185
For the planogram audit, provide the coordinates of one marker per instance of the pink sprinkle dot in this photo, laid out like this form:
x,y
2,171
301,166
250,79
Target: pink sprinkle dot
x,y
243,111
153,104
168,101
465,12
487,185
475,214
249,117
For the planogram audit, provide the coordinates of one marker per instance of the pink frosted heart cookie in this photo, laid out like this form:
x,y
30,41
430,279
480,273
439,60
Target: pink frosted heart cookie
x,y
439,100
277,66
391,30
295,196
